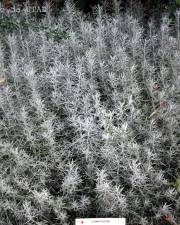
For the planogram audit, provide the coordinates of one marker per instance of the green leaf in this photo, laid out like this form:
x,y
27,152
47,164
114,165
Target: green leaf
x,y
177,184
172,8
178,2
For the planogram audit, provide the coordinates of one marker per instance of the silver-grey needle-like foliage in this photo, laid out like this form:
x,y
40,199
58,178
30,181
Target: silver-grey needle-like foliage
x,y
89,124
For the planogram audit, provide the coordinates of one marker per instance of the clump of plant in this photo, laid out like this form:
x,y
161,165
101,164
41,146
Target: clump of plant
x,y
89,125
22,18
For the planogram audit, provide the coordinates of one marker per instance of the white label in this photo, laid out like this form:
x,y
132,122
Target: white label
x,y
100,221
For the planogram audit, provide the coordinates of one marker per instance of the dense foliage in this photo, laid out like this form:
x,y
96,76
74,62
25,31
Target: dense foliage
x,y
89,124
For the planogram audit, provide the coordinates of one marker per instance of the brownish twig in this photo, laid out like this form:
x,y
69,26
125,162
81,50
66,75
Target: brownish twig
x,y
8,4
